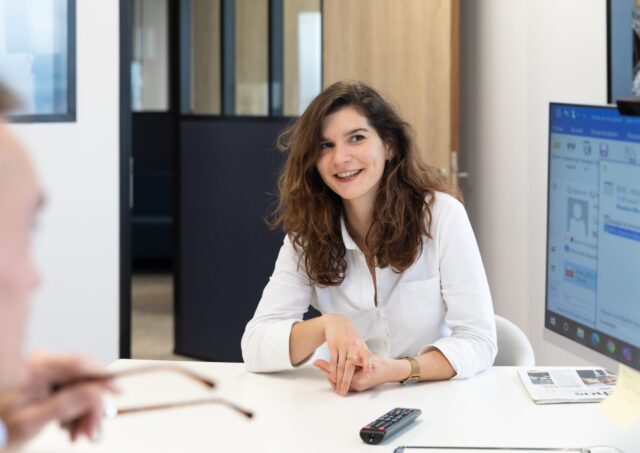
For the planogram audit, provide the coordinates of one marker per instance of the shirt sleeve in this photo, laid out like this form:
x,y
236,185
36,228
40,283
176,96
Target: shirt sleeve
x,y
472,346
4,435
285,299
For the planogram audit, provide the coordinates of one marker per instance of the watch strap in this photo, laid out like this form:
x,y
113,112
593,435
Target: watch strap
x,y
415,370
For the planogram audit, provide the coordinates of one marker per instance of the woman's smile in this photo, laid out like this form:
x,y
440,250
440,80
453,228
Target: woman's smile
x,y
348,176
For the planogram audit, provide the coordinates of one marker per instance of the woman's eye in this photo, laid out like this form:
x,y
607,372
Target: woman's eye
x,y
324,146
357,138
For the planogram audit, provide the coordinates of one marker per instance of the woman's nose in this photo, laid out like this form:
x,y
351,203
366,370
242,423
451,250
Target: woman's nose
x,y
341,153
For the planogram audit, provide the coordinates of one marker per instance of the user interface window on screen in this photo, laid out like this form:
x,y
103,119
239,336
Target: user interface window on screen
x,y
593,274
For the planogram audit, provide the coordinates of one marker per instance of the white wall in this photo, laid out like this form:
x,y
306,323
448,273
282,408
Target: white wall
x,y
517,56
77,241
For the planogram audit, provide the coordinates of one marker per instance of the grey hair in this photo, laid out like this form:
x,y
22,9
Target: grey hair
x,y
8,100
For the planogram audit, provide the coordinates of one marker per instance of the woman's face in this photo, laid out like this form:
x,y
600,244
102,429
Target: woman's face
x,y
352,156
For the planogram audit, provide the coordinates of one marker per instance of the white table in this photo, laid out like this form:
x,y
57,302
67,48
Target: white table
x,y
296,411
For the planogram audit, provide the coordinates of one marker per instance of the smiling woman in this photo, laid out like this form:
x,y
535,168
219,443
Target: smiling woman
x,y
374,237
346,125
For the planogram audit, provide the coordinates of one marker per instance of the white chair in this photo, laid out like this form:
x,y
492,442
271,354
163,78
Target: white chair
x,y
514,348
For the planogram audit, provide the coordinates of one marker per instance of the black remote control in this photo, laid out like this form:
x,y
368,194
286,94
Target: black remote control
x,y
388,425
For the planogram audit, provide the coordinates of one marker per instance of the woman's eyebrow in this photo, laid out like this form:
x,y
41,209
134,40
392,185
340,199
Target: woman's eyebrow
x,y
353,131
346,134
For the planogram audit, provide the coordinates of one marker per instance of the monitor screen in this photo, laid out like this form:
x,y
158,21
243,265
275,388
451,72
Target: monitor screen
x,y
593,230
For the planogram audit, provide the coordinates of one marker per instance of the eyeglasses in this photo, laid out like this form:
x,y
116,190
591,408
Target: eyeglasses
x,y
112,412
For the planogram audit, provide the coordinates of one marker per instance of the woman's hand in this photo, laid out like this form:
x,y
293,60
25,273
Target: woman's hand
x,y
383,370
78,408
347,350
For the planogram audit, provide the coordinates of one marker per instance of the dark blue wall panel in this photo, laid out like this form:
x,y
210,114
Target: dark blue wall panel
x,y
225,252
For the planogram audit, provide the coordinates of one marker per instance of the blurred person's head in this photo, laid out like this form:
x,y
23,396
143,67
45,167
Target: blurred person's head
x,y
20,197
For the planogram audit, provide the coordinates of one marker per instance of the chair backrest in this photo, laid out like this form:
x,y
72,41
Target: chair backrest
x,y
514,348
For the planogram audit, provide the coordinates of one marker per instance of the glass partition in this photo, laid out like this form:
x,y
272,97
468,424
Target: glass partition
x,y
249,57
302,23
150,65
200,64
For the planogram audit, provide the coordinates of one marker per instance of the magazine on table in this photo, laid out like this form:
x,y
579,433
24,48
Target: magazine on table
x,y
567,385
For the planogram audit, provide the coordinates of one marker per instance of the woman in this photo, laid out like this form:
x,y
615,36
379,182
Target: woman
x,y
378,247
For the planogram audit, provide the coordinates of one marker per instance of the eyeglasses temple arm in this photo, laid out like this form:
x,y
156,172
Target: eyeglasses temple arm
x,y
197,402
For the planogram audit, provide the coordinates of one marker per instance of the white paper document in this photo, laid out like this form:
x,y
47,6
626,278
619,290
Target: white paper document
x,y
561,385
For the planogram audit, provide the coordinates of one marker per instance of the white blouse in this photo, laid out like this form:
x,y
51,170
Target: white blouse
x,y
441,301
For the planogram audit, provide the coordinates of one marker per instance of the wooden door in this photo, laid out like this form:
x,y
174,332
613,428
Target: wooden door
x,y
408,50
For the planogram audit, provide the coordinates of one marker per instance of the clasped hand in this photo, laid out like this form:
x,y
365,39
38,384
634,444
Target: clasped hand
x,y
351,365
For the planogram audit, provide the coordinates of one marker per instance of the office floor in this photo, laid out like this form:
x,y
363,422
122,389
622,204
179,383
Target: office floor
x,y
152,317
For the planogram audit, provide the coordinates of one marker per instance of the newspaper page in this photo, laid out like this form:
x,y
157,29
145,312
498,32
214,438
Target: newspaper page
x,y
565,385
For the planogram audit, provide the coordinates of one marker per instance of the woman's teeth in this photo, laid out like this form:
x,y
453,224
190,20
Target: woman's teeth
x,y
347,174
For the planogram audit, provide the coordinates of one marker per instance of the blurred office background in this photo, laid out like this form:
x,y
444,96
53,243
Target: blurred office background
x,y
168,163
212,84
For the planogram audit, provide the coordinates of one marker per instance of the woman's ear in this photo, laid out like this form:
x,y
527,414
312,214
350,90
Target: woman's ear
x,y
388,153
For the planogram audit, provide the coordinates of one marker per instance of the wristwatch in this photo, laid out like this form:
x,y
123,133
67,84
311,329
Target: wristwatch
x,y
415,371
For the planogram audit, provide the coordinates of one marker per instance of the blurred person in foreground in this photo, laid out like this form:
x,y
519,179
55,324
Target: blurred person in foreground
x,y
29,398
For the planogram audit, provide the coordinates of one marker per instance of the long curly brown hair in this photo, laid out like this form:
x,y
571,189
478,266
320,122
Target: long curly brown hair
x,y
310,212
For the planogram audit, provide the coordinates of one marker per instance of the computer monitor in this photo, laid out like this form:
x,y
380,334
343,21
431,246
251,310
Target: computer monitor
x,y
593,230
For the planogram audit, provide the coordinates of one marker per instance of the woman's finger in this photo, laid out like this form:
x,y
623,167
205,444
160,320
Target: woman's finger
x,y
333,361
342,363
319,363
364,357
344,384
327,374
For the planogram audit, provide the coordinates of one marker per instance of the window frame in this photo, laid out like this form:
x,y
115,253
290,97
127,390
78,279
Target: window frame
x,y
70,115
